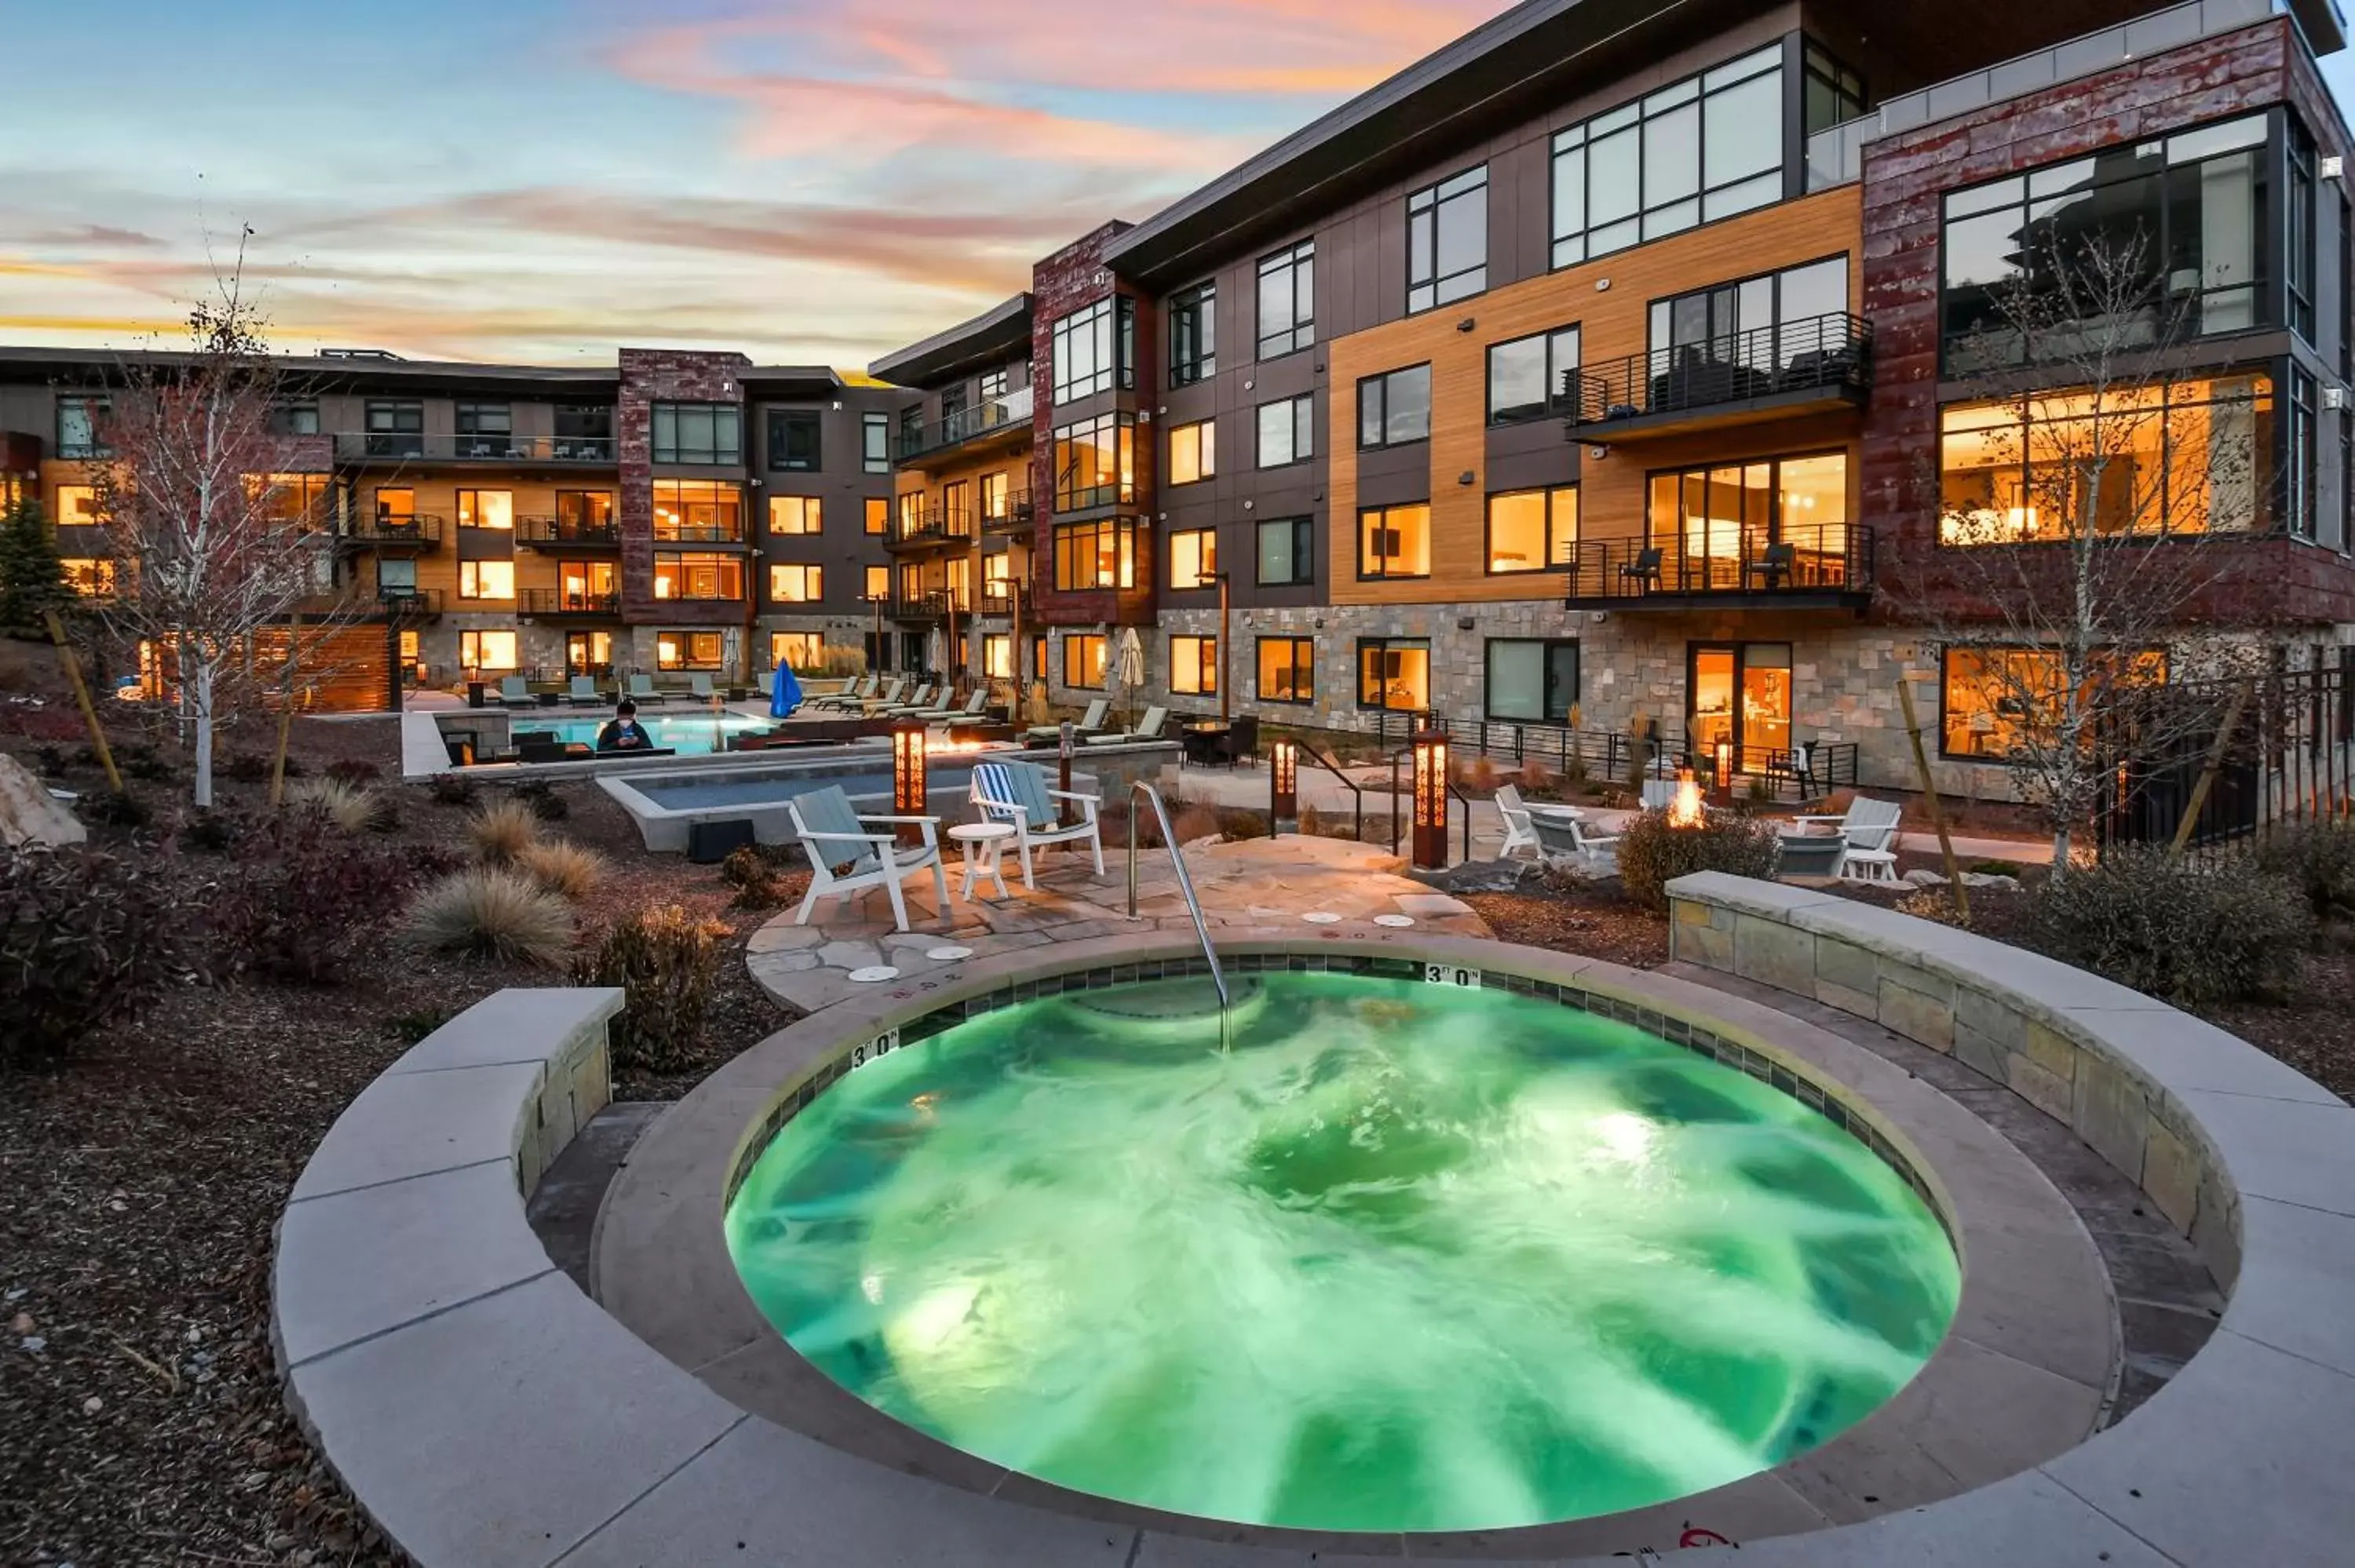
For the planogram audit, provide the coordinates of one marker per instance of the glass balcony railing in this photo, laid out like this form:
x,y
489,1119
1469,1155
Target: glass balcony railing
x,y
965,424
414,446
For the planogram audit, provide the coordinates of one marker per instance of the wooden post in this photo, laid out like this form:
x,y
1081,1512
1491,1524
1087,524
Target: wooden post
x,y
1930,794
285,732
2207,783
81,695
1226,641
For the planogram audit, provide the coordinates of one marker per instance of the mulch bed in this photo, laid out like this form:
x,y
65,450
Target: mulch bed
x,y
143,1416
1599,921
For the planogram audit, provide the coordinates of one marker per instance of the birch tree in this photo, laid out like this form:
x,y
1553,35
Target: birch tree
x,y
2086,510
215,560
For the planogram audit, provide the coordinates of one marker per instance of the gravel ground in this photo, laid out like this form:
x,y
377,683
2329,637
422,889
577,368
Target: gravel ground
x,y
140,1418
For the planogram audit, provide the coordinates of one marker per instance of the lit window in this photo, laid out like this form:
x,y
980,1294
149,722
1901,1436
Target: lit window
x,y
997,656
1194,666
487,649
297,501
1084,661
486,579
1287,670
583,514
879,582
1718,527
796,584
1193,451
1287,431
1101,554
1996,701
800,652
698,512
1393,675
1095,462
996,497
77,505
688,649
793,515
697,432
486,509
1394,541
1532,530
1394,408
90,576
1194,558
696,576
879,514
1447,240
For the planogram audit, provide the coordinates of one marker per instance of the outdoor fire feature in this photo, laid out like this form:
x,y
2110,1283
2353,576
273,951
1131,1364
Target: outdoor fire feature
x,y
1685,811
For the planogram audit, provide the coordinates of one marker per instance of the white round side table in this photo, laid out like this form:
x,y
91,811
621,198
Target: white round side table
x,y
984,844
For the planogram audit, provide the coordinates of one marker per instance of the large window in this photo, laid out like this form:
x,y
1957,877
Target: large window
x,y
878,583
297,500
1394,540
1193,451
77,505
486,509
1287,431
1083,659
1993,700
484,430
688,649
2188,209
1095,462
487,649
698,432
1287,299
2300,511
1287,670
796,583
1287,552
1530,375
78,423
1720,527
1705,148
92,577
794,515
1101,554
995,496
1834,94
698,512
690,576
1194,666
1094,349
1193,559
1532,530
1193,333
580,513
1394,408
875,443
299,417
1447,240
2189,457
1532,680
395,429
800,652
998,655
1707,343
2297,241
1393,673
794,440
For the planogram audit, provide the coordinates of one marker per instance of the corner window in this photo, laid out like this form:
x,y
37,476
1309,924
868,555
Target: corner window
x,y
1447,240
1193,559
796,583
1287,552
1394,408
875,443
1287,670
1194,666
794,441
1532,530
1287,300
1393,675
699,433
1095,462
1094,349
1532,680
1100,555
1394,541
690,576
794,515
1193,334
1193,451
1084,661
1529,377
698,512
1287,431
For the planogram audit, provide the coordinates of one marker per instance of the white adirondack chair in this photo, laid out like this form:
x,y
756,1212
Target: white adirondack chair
x,y
847,857
1870,828
1018,793
1518,834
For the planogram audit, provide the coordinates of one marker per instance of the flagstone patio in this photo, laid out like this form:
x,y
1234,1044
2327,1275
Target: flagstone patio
x,y
1256,885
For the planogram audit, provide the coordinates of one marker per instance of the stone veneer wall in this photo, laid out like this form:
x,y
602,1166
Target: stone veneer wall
x,y
648,375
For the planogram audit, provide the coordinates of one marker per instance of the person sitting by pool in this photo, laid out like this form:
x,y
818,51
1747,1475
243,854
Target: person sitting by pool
x,y
623,732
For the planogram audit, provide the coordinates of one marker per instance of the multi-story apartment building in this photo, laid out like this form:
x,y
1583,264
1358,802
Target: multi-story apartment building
x,y
679,512
1607,362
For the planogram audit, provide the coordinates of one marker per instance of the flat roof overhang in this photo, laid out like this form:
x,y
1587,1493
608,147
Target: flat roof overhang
x,y
997,335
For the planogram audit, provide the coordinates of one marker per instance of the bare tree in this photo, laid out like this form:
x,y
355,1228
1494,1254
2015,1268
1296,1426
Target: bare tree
x,y
2083,524
224,563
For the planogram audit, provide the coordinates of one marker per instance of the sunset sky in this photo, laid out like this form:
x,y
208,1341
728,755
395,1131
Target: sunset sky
x,y
540,180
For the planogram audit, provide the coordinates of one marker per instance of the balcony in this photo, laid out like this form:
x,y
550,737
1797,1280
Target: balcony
x,y
1004,599
1008,417
1826,567
356,603
1017,518
560,602
415,531
567,533
1808,366
413,446
701,534
932,606
935,525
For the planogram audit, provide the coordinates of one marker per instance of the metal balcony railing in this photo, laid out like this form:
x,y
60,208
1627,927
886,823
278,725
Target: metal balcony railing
x,y
933,526
700,534
415,529
567,531
1822,564
965,424
1017,516
567,601
418,446
1005,599
1831,355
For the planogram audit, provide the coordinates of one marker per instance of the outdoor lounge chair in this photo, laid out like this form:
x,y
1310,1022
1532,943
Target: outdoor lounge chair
x,y
1562,840
582,693
1090,722
854,693
848,855
1869,829
875,702
514,692
1147,728
1018,793
698,686
642,689
920,702
1518,834
948,708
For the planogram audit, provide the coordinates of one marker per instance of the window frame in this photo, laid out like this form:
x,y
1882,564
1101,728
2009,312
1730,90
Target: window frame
x,y
813,642
1193,317
1110,323
1078,643
725,449
1365,513
719,491
1546,645
689,641
812,577
1558,400
1945,686
1304,552
1064,548
1300,415
875,515
477,636
718,561
471,571
1122,490
1426,218
1203,580
1205,434
875,443
1552,494
1304,696
1382,380
1385,645
1203,664
812,510
782,423
1294,262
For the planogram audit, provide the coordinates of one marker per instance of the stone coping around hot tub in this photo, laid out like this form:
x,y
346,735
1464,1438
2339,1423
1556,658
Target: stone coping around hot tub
x,y
2022,1377
2252,1160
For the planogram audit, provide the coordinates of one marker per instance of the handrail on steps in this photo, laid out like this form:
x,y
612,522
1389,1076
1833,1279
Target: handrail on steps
x,y
1185,882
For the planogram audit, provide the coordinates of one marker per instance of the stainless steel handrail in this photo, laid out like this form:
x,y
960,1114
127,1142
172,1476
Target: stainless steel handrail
x,y
1185,882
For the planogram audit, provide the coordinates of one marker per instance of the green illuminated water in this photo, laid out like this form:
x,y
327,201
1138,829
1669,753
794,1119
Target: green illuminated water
x,y
1409,1257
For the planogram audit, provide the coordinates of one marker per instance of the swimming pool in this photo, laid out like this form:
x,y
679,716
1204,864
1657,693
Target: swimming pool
x,y
1406,1258
689,735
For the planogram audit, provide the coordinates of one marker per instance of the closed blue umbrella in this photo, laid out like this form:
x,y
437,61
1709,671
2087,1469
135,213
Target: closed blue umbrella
x,y
785,696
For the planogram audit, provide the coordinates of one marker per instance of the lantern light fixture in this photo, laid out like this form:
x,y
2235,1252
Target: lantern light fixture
x,y
1430,798
907,769
1283,782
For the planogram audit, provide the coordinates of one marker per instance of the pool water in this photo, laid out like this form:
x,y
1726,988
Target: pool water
x,y
1407,1257
689,735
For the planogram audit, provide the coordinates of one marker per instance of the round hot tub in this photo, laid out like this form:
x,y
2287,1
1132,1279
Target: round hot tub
x,y
1364,1255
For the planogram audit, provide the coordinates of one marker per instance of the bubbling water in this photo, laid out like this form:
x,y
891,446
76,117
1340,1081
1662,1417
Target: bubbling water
x,y
1408,1258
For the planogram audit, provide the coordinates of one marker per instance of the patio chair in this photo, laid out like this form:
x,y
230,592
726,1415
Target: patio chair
x,y
582,693
1090,722
514,692
1018,793
1518,834
1239,740
949,708
918,704
854,693
1147,728
847,857
1562,840
641,691
893,689
698,686
1869,830
1644,571
1815,855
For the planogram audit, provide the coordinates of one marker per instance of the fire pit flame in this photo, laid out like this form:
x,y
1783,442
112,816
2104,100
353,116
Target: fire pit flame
x,y
1685,811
